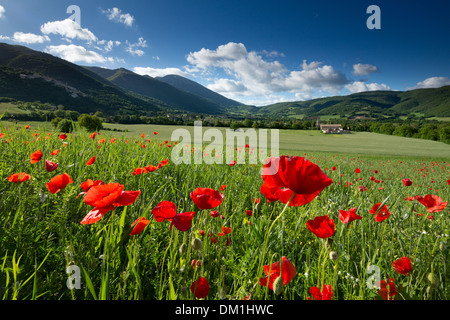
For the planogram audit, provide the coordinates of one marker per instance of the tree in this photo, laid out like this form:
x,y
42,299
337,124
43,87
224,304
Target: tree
x,y
90,123
444,134
55,122
65,126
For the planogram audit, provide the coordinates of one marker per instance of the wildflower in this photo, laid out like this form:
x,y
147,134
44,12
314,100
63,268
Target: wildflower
x,y
140,225
164,210
348,216
200,288
326,293
292,177
90,161
432,202
50,165
402,265
36,156
322,226
274,271
407,182
385,292
205,198
182,221
19,177
58,183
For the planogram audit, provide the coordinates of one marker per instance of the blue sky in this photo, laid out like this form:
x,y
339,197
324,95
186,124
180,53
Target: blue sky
x,y
256,52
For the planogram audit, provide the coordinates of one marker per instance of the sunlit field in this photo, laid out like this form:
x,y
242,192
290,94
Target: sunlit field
x,y
109,215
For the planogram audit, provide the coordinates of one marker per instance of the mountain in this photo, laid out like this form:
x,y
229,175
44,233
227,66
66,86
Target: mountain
x,y
170,95
30,75
199,90
432,102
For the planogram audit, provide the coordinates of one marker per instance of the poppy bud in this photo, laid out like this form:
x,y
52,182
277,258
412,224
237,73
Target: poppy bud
x,y
433,279
278,286
333,255
196,244
183,248
442,246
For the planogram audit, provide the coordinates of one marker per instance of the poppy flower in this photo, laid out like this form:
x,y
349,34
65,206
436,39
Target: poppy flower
x,y
214,213
90,161
63,136
222,187
206,198
232,163
182,221
150,168
287,273
27,127
448,182
322,226
137,171
225,231
106,197
164,210
382,215
411,198
249,212
36,156
200,288
155,133
362,188
50,165
285,177
58,183
333,169
432,202
385,292
140,225
92,136
357,170
90,183
376,207
55,152
19,177
402,265
348,216
326,293
407,182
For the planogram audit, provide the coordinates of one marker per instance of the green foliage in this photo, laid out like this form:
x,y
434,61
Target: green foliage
x,y
90,123
65,125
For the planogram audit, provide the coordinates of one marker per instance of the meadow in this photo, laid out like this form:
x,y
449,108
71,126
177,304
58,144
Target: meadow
x,y
61,237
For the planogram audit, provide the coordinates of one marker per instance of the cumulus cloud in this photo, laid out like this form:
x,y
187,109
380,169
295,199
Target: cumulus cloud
x,y
4,37
161,72
69,29
116,15
2,11
250,74
108,45
433,82
29,38
76,54
361,86
133,48
364,69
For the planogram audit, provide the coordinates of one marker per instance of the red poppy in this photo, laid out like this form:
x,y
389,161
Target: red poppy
x,y
225,231
349,216
105,197
137,171
150,168
382,215
362,188
376,207
164,210
232,163
402,265
249,212
385,292
140,223
407,182
36,156
58,183
222,187
200,288
27,127
55,152
326,293
322,226
432,202
155,133
214,213
411,198
90,183
90,161
273,271
206,198
183,221
357,170
333,169
295,177
19,177
92,136
63,136
269,192
50,165
448,182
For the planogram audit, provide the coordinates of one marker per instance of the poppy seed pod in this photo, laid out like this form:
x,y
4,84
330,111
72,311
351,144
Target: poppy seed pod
x,y
333,255
196,244
278,286
182,248
433,279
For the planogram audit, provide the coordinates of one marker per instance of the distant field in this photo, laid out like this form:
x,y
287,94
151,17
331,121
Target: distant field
x,y
9,107
301,141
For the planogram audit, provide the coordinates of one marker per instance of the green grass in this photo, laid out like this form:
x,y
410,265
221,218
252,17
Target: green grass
x,y
10,107
41,234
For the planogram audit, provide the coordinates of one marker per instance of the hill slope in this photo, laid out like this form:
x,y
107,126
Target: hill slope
x,y
30,75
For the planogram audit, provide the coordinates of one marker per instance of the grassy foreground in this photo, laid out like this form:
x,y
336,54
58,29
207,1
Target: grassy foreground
x,y
41,234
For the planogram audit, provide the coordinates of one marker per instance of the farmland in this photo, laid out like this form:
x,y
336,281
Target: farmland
x,y
42,234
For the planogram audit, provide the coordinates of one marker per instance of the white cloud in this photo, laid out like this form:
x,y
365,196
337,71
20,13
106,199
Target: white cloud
x,y
433,82
155,72
29,38
364,69
4,37
108,45
249,74
133,48
361,86
75,54
115,14
69,29
2,11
